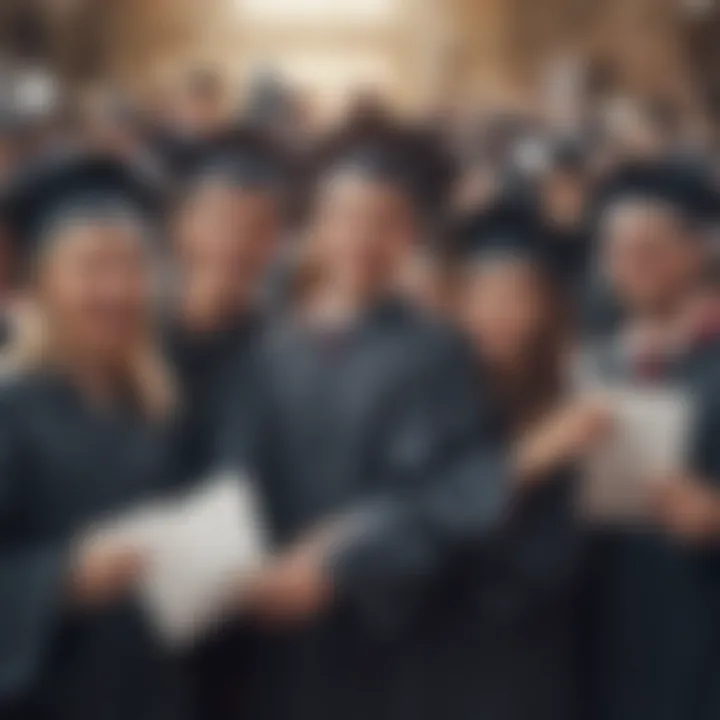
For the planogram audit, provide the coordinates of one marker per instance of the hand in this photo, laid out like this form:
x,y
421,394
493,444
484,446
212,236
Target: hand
x,y
294,588
104,571
687,508
561,437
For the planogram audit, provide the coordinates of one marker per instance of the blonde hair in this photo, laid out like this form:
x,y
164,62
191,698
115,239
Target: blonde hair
x,y
147,372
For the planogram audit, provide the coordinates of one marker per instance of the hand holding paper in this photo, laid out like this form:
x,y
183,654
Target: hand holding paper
x,y
688,508
200,550
649,442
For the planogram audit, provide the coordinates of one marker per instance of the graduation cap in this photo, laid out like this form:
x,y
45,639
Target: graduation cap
x,y
509,230
244,157
685,186
408,158
62,191
568,154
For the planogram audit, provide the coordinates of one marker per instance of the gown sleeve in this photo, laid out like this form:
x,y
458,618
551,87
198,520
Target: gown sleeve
x,y
452,489
32,575
539,551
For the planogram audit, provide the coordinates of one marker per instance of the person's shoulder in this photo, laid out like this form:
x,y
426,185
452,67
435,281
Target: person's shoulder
x,y
432,342
23,393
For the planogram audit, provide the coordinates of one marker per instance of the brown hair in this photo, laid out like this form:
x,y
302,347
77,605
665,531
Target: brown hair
x,y
540,379
147,373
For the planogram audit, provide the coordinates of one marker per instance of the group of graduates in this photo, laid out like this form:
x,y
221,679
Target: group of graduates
x,y
381,335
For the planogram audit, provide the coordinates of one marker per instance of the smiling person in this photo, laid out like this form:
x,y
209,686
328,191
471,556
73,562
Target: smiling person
x,y
512,596
368,446
654,606
361,398
226,237
84,415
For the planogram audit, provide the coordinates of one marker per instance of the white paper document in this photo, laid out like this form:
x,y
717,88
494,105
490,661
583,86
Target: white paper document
x,y
199,547
649,442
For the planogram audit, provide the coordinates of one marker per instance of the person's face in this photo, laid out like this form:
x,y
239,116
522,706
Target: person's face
x,y
229,236
475,189
95,285
200,112
563,196
504,309
649,260
363,229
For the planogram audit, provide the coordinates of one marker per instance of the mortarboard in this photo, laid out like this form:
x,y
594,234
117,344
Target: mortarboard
x,y
568,154
62,190
508,230
408,158
687,187
243,157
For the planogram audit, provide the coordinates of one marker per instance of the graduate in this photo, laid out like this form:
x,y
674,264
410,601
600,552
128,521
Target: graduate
x,y
227,234
675,179
84,409
510,651
653,608
369,448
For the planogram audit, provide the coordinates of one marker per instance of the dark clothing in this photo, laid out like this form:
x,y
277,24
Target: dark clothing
x,y
505,648
206,365
654,626
382,422
570,254
64,465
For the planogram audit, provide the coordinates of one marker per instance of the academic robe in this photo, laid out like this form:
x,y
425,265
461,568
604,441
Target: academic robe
x,y
380,425
206,364
570,254
64,465
652,610
500,639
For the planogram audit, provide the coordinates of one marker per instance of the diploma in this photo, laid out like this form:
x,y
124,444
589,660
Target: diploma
x,y
649,441
199,548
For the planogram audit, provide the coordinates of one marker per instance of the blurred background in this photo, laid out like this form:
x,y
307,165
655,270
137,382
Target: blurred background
x,y
447,56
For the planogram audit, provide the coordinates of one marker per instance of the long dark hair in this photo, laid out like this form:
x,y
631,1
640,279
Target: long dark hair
x,y
538,381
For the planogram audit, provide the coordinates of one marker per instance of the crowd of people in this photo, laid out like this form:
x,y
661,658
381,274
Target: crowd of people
x,y
379,324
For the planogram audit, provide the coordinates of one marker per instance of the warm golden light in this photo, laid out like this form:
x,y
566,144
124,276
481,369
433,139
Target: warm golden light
x,y
318,11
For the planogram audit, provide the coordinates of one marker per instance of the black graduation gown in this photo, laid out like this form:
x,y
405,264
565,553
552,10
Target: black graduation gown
x,y
206,365
64,465
499,637
570,253
652,608
381,423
